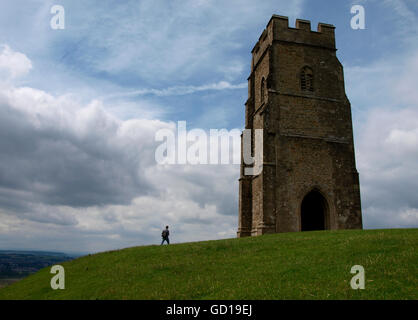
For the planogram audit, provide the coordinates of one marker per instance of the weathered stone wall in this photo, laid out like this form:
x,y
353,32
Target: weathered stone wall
x,y
308,140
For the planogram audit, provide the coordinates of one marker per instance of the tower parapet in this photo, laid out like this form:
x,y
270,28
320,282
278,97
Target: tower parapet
x,y
278,29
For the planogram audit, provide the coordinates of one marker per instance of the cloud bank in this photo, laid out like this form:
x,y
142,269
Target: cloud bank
x,y
77,167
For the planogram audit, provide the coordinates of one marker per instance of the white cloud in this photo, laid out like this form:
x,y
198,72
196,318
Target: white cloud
x,y
13,64
77,173
385,105
182,90
409,217
77,176
161,43
403,141
387,158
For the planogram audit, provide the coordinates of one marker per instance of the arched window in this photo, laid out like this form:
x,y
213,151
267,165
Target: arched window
x,y
306,79
262,90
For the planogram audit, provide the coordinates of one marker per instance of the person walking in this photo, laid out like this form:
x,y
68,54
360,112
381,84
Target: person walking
x,y
165,235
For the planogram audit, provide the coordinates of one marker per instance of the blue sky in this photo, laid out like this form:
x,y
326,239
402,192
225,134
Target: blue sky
x,y
80,108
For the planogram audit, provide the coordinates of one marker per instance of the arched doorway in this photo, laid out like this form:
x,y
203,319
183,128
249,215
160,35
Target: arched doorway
x,y
313,212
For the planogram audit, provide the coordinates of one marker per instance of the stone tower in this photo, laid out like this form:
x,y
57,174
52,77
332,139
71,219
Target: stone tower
x,y
296,94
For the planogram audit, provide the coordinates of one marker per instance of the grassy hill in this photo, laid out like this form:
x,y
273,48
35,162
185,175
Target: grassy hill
x,y
308,265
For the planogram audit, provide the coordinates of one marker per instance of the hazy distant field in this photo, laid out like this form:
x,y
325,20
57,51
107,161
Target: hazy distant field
x,y
6,282
15,265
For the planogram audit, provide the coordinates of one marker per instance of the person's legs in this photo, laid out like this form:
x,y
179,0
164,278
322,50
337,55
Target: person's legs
x,y
168,240
162,242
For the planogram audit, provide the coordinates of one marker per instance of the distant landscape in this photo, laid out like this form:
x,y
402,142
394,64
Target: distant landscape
x,y
15,265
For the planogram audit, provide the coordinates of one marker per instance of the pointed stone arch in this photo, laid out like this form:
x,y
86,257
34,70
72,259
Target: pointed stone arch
x,y
314,211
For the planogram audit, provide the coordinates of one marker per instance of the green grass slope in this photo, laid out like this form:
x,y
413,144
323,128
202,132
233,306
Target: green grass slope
x,y
307,265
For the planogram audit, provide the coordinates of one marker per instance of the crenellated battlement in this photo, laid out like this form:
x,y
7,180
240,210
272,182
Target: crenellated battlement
x,y
278,30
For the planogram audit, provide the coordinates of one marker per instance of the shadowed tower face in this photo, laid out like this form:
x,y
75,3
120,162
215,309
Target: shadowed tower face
x,y
296,94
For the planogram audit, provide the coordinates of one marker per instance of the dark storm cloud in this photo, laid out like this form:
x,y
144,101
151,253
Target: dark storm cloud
x,y
43,161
